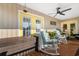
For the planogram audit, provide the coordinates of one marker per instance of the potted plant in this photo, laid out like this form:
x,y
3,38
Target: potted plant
x,y
52,35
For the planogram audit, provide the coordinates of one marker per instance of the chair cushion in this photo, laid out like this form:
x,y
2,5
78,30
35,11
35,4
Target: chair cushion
x,y
46,36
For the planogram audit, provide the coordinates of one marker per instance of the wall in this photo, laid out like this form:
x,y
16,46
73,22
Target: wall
x,y
9,26
70,21
8,20
78,24
48,26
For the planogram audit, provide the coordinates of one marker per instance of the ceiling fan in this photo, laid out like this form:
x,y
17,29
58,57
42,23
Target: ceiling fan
x,y
60,12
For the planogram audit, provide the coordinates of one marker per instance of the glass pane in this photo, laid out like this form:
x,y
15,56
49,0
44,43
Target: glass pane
x,y
38,25
26,26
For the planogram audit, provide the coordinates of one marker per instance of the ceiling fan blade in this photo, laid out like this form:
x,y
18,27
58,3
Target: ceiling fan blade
x,y
51,13
55,15
61,13
66,10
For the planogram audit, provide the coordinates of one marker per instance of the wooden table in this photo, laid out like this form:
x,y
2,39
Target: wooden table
x,y
16,44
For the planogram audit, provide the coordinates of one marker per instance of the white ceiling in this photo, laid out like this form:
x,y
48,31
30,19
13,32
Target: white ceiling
x,y
48,8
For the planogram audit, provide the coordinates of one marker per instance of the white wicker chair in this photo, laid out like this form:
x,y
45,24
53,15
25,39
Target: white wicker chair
x,y
45,43
62,38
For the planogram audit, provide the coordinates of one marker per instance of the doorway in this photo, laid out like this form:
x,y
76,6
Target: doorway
x,y
64,27
72,29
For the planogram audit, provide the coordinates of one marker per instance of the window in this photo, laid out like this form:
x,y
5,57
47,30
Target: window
x,y
26,26
72,28
38,25
38,22
52,22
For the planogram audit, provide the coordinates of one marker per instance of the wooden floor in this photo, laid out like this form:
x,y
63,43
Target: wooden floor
x,y
69,49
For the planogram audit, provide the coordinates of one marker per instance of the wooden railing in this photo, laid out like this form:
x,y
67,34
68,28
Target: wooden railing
x,y
23,52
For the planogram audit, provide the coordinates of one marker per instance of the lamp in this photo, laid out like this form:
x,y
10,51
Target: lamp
x,y
25,10
25,7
